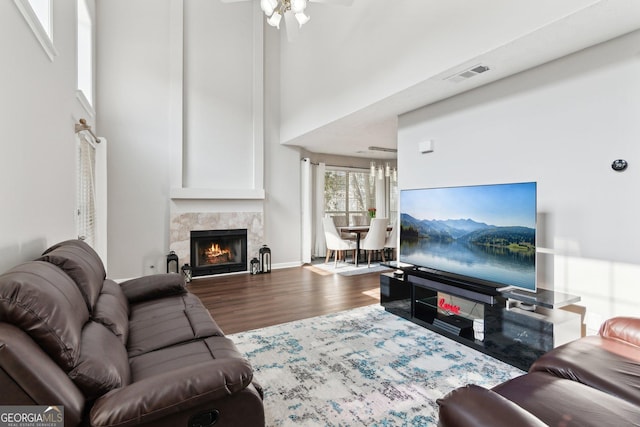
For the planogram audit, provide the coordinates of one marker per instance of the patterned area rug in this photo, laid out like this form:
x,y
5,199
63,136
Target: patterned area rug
x,y
362,367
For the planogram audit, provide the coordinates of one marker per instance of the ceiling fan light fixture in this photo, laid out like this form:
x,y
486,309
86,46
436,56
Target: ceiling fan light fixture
x,y
268,6
274,20
298,6
302,18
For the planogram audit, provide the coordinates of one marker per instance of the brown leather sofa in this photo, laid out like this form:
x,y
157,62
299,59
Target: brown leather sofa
x,y
593,381
145,352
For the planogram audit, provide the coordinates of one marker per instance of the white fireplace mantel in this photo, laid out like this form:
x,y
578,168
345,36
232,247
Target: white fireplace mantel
x,y
216,194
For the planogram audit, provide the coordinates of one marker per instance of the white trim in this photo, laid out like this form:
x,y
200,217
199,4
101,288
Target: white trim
x,y
84,102
101,200
282,265
216,194
36,26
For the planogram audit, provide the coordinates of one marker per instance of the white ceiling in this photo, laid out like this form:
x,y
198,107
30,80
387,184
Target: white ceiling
x,y
376,124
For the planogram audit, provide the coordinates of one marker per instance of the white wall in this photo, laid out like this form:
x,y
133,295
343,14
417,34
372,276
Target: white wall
x,y
38,107
561,124
375,49
133,93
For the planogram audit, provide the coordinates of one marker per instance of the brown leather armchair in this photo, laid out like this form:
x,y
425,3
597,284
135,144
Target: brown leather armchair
x,y
145,352
593,381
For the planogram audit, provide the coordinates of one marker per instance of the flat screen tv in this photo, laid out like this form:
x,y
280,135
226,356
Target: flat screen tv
x,y
484,234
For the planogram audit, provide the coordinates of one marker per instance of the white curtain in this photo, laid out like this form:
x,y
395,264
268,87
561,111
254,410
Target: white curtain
x,y
312,176
320,246
382,204
306,210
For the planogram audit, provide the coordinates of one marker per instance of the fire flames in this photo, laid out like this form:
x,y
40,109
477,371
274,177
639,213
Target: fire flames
x,y
215,254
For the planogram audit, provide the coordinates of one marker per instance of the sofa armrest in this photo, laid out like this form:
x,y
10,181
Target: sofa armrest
x,y
28,376
473,405
171,392
153,286
622,328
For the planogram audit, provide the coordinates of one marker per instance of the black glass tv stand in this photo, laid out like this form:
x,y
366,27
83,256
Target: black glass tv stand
x,y
541,297
486,318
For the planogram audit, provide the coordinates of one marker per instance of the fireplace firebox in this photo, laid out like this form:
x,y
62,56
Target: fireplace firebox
x,y
218,251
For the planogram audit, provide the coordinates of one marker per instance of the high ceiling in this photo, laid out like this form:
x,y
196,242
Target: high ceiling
x,y
375,124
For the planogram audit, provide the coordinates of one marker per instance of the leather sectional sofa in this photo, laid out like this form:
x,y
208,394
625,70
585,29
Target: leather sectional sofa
x,y
144,352
593,381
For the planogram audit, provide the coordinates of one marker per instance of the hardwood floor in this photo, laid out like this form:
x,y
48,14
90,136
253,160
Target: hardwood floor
x,y
243,302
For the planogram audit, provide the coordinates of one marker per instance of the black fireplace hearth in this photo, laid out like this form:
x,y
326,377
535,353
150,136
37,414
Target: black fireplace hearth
x,y
218,251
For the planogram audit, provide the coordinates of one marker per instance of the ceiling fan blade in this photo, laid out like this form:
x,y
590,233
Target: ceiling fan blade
x,y
334,2
291,26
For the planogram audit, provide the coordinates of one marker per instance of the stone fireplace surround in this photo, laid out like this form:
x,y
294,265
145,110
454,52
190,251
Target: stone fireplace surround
x,y
182,223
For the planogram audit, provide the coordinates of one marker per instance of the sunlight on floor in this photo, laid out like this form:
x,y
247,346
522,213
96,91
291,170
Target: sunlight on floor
x,y
373,293
317,270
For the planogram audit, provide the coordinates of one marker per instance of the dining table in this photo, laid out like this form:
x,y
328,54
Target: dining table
x,y
357,230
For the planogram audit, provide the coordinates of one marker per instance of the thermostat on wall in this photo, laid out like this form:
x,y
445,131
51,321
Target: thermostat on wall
x,y
619,165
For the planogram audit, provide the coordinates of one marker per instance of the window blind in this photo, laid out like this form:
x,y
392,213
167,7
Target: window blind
x,y
86,212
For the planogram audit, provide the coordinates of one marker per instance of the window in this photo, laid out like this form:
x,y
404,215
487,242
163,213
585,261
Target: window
x,y
85,55
348,196
42,9
38,14
86,213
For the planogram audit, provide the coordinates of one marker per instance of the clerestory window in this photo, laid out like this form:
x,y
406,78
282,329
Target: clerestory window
x,y
38,14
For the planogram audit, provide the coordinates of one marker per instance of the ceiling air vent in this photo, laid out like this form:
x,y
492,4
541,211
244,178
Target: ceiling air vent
x,y
468,73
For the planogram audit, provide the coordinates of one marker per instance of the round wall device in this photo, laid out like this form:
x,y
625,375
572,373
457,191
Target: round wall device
x,y
619,165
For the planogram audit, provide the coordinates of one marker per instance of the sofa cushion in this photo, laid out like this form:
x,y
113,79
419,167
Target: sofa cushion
x,y
188,354
112,310
622,328
97,261
103,363
82,267
163,322
153,286
606,364
43,301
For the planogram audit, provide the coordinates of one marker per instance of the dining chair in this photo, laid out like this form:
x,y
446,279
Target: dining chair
x,y
342,221
392,241
375,239
334,241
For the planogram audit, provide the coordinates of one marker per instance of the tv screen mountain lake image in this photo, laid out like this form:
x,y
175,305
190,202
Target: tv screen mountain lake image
x,y
481,232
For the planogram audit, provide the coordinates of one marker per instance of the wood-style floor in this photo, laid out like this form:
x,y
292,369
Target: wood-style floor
x,y
244,302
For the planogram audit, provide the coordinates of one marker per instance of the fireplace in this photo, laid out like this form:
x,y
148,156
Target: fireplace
x,y
218,251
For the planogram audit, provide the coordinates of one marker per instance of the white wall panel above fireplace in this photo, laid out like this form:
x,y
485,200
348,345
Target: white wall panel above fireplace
x,y
222,97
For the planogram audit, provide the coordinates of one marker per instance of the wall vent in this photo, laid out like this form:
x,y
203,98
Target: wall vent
x,y
468,73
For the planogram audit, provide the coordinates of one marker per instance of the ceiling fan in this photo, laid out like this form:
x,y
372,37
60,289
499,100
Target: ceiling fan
x,y
293,12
